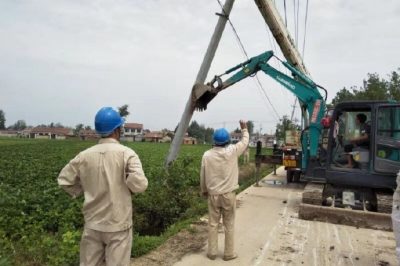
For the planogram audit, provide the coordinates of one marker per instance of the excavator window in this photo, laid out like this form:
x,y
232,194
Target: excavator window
x,y
389,122
388,131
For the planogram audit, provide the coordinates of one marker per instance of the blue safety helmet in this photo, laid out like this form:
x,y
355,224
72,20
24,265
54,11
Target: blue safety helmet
x,y
221,136
107,120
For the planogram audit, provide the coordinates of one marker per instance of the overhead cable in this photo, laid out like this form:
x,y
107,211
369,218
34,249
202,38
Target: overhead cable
x,y
305,29
297,21
284,6
294,20
245,53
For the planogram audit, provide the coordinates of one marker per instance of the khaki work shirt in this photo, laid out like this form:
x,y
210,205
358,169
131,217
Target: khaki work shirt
x,y
219,167
107,174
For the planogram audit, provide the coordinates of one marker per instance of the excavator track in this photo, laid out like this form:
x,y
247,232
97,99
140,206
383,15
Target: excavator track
x,y
384,202
312,194
311,209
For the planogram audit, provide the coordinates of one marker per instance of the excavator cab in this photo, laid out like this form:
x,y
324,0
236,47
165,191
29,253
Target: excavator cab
x,y
364,153
362,156
359,159
361,153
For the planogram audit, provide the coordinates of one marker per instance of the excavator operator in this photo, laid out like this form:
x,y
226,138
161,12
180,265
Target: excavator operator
x,y
361,141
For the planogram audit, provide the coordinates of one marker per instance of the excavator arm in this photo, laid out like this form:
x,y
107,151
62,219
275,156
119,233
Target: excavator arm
x,y
300,85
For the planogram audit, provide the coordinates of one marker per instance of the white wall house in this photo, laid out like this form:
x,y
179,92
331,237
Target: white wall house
x,y
50,133
9,133
133,132
236,137
267,140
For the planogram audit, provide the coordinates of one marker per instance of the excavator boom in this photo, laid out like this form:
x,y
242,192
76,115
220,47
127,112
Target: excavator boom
x,y
299,84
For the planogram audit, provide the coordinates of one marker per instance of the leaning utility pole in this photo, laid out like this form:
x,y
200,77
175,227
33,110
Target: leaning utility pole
x,y
201,77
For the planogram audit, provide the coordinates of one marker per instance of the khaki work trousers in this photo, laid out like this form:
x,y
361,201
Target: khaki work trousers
x,y
221,205
105,248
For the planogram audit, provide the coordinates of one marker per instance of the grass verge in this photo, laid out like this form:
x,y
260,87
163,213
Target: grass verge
x,y
144,244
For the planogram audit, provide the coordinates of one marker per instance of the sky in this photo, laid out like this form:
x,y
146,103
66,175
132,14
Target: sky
x,y
62,60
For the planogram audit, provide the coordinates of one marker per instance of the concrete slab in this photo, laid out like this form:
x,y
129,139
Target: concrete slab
x,y
268,232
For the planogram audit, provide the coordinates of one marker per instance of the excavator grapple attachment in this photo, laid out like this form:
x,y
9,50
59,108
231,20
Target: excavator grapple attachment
x,y
202,95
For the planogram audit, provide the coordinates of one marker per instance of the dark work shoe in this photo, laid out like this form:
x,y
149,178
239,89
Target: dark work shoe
x,y
230,257
211,257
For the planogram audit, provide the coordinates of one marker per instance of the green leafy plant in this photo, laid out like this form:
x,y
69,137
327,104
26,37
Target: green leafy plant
x,y
41,225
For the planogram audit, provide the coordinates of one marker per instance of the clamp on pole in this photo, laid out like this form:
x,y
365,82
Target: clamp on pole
x,y
218,80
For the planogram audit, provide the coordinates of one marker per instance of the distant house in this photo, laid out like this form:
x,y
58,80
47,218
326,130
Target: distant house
x,y
252,141
25,133
88,134
266,140
50,133
166,139
133,132
236,137
270,140
9,133
155,136
189,141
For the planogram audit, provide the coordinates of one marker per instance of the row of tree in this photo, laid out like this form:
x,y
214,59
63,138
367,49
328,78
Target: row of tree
x,y
2,120
205,134
19,125
373,88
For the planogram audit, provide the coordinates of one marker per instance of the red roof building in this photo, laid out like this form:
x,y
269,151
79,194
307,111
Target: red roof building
x,y
50,133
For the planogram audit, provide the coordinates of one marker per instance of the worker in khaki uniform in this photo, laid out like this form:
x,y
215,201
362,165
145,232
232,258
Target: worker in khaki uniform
x,y
107,174
219,180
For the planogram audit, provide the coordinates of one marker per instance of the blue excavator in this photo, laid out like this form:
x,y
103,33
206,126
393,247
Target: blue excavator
x,y
323,160
303,87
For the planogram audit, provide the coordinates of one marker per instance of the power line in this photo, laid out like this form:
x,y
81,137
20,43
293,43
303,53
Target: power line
x,y
244,51
237,122
284,6
296,43
297,23
273,47
234,30
305,29
304,41
304,45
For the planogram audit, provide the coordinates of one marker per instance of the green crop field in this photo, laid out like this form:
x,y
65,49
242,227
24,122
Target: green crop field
x,y
41,225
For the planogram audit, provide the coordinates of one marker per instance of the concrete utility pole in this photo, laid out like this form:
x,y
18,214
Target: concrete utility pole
x,y
201,77
282,36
